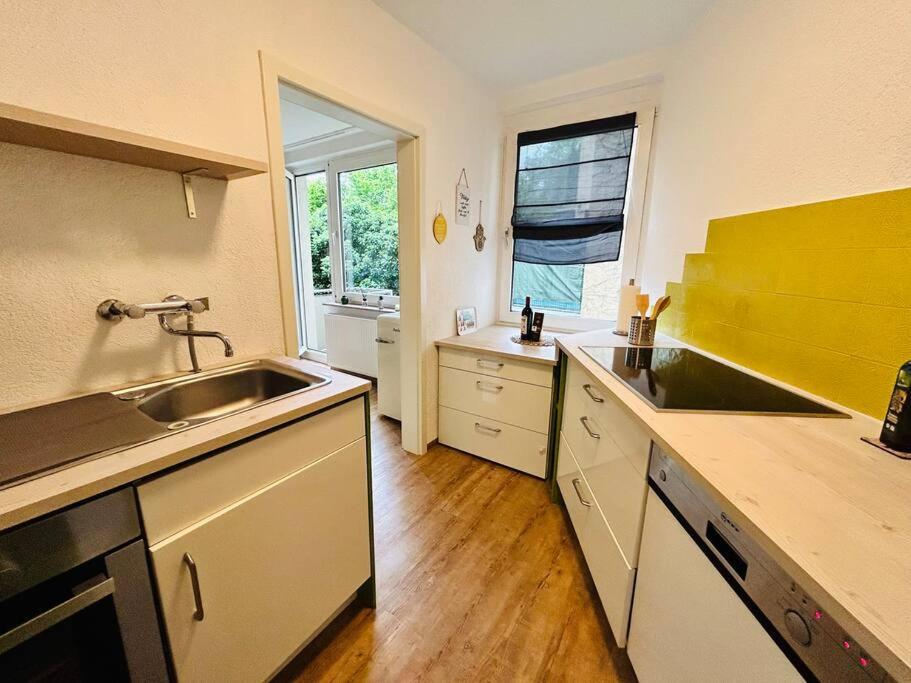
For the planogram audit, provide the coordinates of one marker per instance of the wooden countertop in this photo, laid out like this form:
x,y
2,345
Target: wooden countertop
x,y
495,341
56,490
834,511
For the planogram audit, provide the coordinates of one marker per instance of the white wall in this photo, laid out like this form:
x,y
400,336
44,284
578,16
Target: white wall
x,y
774,103
75,231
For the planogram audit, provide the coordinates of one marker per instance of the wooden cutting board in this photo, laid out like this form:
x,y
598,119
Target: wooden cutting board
x,y
47,437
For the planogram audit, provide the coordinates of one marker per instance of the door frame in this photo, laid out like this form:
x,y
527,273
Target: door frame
x,y
408,137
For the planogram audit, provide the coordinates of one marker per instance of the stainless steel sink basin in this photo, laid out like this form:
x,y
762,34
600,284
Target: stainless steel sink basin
x,y
190,400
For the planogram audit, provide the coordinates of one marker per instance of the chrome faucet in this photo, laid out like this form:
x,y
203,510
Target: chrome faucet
x,y
171,307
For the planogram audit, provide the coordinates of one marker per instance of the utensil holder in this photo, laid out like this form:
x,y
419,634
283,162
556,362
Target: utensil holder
x,y
642,331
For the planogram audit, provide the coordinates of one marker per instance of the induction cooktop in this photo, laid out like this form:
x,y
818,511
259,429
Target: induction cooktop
x,y
682,380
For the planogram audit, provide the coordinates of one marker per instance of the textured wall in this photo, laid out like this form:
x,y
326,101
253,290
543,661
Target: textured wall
x,y
75,231
777,103
818,296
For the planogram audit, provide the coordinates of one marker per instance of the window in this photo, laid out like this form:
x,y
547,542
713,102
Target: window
x,y
345,235
368,203
577,200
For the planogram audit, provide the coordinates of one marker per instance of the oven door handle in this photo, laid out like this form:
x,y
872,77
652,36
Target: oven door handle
x,y
55,615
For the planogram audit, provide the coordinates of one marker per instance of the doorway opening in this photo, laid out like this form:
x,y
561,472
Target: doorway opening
x,y
345,206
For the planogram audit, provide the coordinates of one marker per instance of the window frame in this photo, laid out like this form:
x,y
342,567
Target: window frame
x,y
633,216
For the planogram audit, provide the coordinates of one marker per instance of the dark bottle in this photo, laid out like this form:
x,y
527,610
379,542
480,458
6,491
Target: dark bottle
x,y
526,320
897,425
537,325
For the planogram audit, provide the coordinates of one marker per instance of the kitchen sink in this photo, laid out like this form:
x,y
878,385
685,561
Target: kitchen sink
x,y
190,400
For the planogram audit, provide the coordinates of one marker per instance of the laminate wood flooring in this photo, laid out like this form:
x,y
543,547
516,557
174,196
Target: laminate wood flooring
x,y
478,578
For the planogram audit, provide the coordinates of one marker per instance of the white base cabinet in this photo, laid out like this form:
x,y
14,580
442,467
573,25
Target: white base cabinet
x,y
496,408
244,588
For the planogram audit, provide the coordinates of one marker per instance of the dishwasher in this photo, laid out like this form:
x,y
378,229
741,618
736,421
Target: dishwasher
x,y
711,605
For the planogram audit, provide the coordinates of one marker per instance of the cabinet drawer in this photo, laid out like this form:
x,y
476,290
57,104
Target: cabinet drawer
x,y
515,403
612,575
584,397
497,366
178,499
620,491
521,449
272,568
576,496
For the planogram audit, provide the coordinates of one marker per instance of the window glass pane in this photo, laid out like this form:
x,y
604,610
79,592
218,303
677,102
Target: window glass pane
x,y
589,291
368,204
319,231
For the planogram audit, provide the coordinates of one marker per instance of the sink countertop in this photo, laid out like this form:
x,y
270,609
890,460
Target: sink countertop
x,y
495,340
834,511
30,499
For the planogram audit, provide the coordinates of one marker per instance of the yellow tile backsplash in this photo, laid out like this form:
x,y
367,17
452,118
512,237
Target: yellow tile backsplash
x,y
817,295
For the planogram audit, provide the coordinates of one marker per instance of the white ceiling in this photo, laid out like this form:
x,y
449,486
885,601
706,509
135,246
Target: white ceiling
x,y
300,123
507,43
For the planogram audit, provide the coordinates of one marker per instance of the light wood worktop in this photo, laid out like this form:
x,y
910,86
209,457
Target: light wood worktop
x,y
834,511
56,490
495,340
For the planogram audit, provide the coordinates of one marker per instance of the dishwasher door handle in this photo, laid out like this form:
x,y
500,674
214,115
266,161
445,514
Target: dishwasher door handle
x,y
37,625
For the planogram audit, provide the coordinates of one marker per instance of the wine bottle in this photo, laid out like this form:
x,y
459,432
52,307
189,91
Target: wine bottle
x,y
526,320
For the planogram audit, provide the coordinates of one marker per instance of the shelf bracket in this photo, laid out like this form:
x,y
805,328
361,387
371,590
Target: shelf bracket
x,y
188,190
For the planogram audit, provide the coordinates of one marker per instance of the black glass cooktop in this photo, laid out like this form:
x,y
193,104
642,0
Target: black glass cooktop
x,y
684,380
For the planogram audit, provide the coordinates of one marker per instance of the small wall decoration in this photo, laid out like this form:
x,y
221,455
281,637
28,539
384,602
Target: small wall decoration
x,y
479,238
466,320
439,226
463,200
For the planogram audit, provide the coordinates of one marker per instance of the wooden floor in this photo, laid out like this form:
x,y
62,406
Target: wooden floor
x,y
478,578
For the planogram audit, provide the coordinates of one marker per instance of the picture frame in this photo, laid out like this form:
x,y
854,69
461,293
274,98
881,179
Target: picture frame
x,y
466,320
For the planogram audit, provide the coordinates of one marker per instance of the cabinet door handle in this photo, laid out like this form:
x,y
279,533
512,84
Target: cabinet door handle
x,y
592,395
492,430
584,421
484,363
380,340
199,613
582,499
495,387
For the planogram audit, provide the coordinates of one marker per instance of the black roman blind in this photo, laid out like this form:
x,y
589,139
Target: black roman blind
x,y
571,190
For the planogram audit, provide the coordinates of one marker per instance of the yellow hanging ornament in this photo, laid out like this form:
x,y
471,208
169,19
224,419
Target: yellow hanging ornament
x,y
439,227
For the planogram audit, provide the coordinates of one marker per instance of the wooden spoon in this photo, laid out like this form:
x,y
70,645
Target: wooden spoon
x,y
660,306
642,304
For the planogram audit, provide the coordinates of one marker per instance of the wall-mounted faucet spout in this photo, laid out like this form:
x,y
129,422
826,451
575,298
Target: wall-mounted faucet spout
x,y
171,307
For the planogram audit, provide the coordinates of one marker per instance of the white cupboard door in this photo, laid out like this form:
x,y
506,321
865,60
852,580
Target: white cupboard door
x,y
272,568
688,624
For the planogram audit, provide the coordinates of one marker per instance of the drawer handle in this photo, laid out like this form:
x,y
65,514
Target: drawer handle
x,y
591,394
199,613
484,363
495,387
582,499
492,430
584,421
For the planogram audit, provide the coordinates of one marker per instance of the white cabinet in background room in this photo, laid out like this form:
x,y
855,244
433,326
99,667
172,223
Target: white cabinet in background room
x,y
495,407
244,587
602,471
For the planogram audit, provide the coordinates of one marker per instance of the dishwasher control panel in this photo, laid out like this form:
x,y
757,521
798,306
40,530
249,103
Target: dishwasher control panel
x,y
807,633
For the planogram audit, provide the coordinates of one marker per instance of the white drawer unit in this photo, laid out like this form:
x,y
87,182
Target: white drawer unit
x,y
603,460
612,575
496,407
